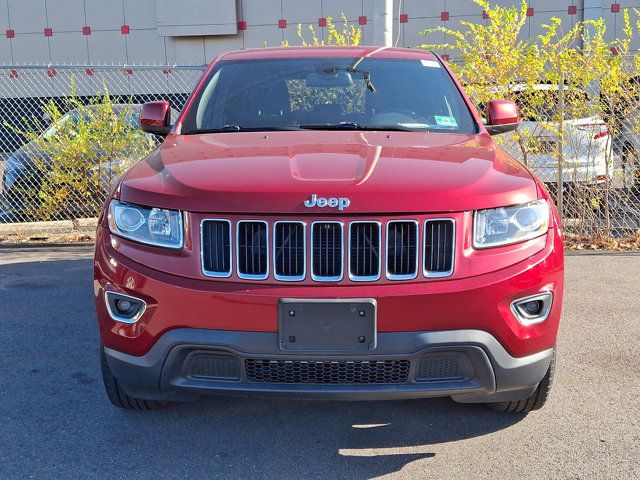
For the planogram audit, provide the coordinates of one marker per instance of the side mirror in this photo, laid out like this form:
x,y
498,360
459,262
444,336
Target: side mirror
x,y
155,118
502,116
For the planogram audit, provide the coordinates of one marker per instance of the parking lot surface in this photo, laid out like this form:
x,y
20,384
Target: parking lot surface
x,y
55,421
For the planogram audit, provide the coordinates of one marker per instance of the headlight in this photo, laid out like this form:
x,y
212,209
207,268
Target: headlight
x,y
502,226
153,226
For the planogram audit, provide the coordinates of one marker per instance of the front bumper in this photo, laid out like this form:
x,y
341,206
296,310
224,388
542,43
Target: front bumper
x,y
468,365
481,302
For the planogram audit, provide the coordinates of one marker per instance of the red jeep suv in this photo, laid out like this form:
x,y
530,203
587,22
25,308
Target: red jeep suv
x,y
331,223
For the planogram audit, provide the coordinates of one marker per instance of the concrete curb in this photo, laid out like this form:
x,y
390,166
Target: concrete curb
x,y
56,230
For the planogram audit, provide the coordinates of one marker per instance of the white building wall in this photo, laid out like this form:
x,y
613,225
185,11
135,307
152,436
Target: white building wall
x,y
126,31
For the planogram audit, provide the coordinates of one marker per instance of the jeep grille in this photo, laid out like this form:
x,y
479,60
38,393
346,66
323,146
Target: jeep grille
x,y
216,248
402,250
326,248
438,247
288,251
253,257
364,251
332,250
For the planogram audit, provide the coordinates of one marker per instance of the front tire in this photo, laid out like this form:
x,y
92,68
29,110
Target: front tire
x,y
535,401
117,396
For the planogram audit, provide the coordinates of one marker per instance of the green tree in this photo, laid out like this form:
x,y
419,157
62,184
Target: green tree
x,y
560,75
81,154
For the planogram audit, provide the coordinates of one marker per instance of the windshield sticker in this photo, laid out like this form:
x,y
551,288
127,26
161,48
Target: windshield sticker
x,y
448,122
430,63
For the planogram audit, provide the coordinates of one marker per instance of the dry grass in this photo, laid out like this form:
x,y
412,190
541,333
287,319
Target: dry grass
x,y
24,238
603,243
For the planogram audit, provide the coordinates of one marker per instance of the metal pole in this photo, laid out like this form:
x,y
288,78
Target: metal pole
x,y
383,23
560,152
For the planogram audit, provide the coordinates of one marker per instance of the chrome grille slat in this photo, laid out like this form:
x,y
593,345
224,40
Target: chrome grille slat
x,y
252,249
215,238
289,251
402,249
439,246
364,250
327,251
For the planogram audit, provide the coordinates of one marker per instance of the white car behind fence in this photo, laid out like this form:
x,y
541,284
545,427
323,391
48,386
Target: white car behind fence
x,y
576,149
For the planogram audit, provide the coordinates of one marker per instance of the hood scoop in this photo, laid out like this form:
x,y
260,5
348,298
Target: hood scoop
x,y
335,166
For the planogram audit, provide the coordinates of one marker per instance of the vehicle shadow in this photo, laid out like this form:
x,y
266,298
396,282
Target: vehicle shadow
x,y
356,439
55,407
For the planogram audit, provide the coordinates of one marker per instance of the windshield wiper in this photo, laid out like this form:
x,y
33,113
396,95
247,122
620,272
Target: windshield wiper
x,y
230,128
238,128
307,126
331,126
396,128
357,126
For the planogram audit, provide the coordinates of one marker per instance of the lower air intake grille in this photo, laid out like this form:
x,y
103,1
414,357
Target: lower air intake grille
x,y
439,368
364,251
252,250
289,250
402,250
327,251
438,247
216,248
214,367
327,371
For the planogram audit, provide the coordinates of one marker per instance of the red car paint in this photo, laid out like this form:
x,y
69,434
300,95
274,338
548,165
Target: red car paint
x,y
385,174
381,172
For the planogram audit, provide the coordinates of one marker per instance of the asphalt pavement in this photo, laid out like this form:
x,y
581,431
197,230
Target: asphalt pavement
x,y
56,423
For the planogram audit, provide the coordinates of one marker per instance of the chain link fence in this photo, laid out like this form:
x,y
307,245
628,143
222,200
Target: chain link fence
x,y
583,142
67,132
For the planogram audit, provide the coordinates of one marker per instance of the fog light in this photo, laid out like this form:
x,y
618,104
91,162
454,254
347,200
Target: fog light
x,y
533,309
124,308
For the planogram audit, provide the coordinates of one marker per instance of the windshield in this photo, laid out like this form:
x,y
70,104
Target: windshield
x,y
75,116
329,93
54,127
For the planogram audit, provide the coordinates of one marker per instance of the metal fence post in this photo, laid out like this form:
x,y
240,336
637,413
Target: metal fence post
x,y
560,143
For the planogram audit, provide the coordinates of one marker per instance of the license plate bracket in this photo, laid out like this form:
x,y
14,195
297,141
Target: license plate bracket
x,y
335,325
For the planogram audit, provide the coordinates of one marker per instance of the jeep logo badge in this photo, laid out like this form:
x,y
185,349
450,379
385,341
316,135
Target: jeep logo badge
x,y
322,202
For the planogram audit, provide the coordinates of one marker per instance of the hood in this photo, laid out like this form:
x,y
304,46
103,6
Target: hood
x,y
379,172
